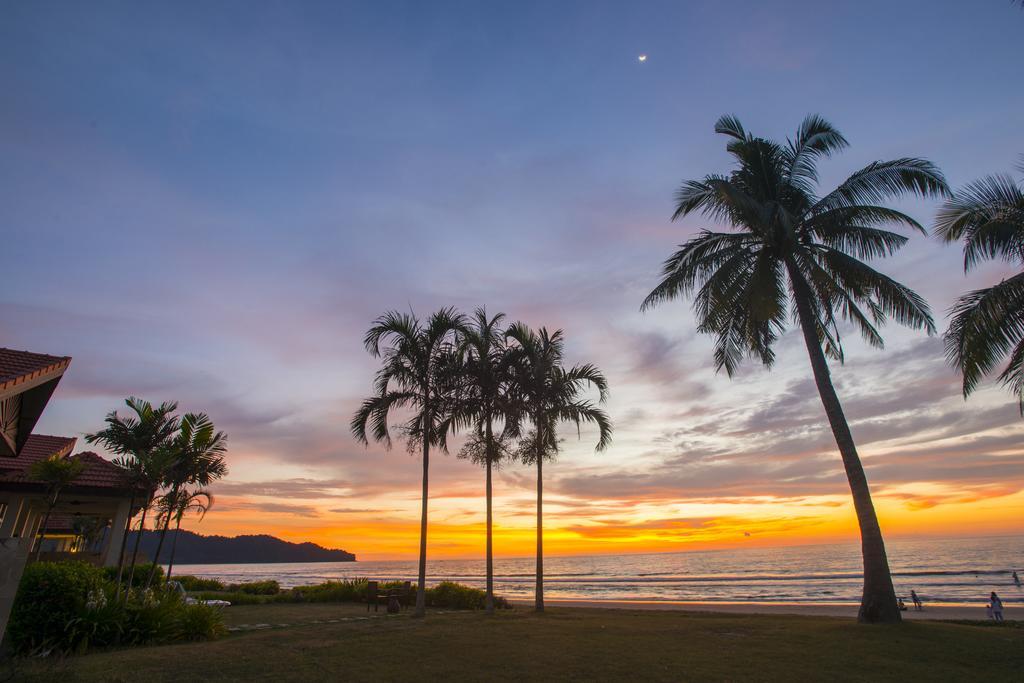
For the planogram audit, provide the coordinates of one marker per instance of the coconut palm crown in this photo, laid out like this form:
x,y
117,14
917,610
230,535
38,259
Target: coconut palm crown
x,y
794,255
987,325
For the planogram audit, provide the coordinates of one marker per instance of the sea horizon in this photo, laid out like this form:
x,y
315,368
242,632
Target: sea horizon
x,y
818,574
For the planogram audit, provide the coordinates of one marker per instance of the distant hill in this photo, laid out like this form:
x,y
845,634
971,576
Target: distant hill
x,y
197,549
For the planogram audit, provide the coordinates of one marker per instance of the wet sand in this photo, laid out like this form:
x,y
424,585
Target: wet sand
x,y
937,611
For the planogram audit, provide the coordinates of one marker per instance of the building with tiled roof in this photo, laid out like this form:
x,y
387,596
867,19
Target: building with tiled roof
x,y
27,381
100,476
101,497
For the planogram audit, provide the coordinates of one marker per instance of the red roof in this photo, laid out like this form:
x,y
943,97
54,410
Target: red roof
x,y
21,366
98,473
39,447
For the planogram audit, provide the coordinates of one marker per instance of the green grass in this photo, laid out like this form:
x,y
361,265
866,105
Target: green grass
x,y
563,644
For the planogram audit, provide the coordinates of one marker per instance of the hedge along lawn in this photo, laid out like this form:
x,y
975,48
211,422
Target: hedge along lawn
x,y
566,644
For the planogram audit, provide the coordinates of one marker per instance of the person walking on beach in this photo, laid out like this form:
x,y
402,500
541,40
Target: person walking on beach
x,y
918,605
997,607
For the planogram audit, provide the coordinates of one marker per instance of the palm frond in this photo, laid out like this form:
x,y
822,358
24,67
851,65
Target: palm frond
x,y
882,180
815,138
731,126
864,283
988,215
987,324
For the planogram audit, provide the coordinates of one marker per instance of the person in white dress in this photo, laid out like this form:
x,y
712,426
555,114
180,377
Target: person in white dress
x,y
997,607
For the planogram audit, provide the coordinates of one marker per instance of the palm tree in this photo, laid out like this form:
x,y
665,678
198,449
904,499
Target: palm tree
x,y
791,251
545,393
175,505
140,440
416,376
482,404
197,454
56,472
988,324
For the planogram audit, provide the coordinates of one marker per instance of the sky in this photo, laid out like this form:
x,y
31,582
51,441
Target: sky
x,y
210,202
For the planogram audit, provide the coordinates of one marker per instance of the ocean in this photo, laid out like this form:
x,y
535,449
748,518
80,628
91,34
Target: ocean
x,y
952,571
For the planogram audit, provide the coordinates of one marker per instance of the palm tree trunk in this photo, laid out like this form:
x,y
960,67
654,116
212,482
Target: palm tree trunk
x,y
138,539
878,601
160,545
539,594
42,529
421,589
489,597
174,545
124,542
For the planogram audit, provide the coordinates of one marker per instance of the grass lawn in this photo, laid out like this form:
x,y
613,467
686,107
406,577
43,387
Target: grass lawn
x,y
563,644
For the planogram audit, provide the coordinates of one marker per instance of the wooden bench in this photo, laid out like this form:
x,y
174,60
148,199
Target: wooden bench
x,y
396,598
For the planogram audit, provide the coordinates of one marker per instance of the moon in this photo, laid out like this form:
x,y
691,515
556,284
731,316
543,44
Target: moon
x,y
642,58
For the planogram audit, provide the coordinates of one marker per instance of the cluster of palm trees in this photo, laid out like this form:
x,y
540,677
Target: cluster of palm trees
x,y
506,388
795,255
169,461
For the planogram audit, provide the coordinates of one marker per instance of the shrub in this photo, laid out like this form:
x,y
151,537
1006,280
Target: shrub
x,y
200,622
456,596
150,616
447,594
49,596
269,587
141,574
348,590
69,607
195,583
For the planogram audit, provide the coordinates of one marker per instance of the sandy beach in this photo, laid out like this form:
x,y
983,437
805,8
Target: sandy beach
x,y
937,611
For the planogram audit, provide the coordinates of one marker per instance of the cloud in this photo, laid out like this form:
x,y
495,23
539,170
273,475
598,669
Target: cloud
x,y
286,488
690,529
268,507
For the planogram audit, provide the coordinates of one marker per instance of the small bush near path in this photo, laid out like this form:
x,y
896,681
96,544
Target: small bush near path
x,y
456,596
255,587
195,583
446,594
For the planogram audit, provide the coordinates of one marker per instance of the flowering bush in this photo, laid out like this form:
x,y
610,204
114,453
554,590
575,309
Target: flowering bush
x,y
70,607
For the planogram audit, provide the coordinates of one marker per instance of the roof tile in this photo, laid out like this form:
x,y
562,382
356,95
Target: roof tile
x,y
98,473
15,365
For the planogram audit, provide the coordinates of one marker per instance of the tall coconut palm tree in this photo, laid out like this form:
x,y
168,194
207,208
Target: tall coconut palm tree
x,y
545,394
988,324
56,472
792,252
139,439
174,505
197,453
415,377
482,405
